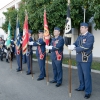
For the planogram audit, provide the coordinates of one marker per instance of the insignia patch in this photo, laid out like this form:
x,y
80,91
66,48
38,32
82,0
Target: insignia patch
x,y
56,41
84,40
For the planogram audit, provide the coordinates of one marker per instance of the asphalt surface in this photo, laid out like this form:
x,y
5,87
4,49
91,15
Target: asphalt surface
x,y
19,86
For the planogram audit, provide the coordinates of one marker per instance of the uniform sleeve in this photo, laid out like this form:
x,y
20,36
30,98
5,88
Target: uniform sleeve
x,y
59,45
39,43
85,46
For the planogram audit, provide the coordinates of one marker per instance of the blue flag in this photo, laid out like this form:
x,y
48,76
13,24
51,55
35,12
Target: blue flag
x,y
17,35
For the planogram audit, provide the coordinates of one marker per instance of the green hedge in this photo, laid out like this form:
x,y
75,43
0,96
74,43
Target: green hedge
x,y
95,64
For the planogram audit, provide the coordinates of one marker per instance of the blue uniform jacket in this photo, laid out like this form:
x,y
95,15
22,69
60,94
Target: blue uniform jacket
x,y
58,46
40,43
84,43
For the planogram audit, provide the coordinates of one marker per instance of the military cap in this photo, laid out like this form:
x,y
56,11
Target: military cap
x,y
57,28
30,31
84,24
40,31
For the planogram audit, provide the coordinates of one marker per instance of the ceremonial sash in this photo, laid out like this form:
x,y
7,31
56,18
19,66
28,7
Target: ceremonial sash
x,y
40,53
18,51
59,56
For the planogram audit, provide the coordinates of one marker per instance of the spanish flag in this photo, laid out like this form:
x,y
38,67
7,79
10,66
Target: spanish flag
x,y
46,30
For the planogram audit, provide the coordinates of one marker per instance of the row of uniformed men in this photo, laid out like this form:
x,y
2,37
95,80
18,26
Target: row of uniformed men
x,y
83,47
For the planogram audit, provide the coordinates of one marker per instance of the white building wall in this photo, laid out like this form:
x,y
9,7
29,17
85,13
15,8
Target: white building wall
x,y
14,3
96,49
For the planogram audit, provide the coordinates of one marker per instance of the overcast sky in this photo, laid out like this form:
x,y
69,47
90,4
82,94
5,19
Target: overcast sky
x,y
4,2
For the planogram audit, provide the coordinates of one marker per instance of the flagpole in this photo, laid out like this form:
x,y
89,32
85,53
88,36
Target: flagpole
x,y
21,56
10,59
45,30
84,13
69,67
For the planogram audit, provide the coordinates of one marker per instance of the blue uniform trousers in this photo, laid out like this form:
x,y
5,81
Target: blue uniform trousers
x,y
57,70
84,73
28,63
42,67
24,58
18,61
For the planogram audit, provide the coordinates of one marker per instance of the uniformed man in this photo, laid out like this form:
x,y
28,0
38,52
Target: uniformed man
x,y
84,47
18,52
24,58
12,49
28,53
1,48
40,53
56,49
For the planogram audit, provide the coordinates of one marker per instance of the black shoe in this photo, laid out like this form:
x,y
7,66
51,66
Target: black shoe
x,y
79,89
18,70
1,59
53,81
7,60
28,73
87,96
58,84
39,79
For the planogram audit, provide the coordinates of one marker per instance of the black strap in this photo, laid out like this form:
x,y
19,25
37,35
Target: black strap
x,y
89,53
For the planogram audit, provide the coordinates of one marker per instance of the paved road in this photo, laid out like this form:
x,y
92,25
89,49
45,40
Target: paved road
x,y
18,86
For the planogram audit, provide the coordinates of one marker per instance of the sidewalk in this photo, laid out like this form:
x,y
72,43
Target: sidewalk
x,y
18,86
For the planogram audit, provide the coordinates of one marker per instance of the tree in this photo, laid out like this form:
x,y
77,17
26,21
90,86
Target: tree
x,y
56,13
95,8
11,16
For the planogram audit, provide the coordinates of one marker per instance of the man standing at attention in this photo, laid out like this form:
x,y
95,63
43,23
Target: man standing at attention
x,y
56,49
83,46
40,53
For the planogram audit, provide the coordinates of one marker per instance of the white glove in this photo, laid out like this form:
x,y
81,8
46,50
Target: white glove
x,y
71,47
12,45
50,47
21,42
30,43
47,47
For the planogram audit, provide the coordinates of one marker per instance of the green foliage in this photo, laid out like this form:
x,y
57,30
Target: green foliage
x,y
95,8
77,12
11,16
56,14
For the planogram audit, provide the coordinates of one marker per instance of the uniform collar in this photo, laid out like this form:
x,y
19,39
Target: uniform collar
x,y
84,33
56,38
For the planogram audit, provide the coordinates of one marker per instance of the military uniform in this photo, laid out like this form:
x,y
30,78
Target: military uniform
x,y
57,44
28,54
18,53
40,53
24,58
1,49
12,49
83,47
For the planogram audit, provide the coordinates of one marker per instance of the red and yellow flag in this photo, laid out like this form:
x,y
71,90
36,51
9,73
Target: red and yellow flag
x,y
25,35
46,30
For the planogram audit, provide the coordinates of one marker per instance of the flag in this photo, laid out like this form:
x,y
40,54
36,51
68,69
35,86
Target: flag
x,y
17,35
46,30
8,42
67,33
25,34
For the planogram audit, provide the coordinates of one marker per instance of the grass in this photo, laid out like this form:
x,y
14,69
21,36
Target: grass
x,y
95,64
